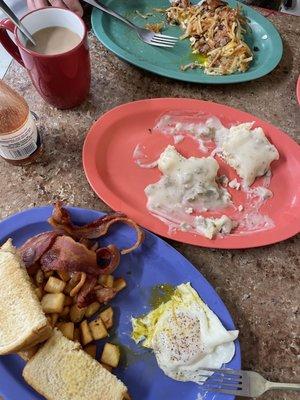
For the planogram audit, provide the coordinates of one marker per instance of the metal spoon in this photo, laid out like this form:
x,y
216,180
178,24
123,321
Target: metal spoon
x,y
12,16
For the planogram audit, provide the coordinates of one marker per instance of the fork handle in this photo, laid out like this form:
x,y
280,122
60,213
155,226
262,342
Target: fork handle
x,y
283,386
102,7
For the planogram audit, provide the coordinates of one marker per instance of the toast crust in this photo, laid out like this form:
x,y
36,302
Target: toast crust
x,y
35,337
26,354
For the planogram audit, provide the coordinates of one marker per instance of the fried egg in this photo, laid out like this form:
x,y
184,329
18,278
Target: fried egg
x,y
185,335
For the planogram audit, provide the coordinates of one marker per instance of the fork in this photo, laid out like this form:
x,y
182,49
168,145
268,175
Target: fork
x,y
241,383
155,39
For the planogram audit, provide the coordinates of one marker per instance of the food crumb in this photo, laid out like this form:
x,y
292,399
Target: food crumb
x,y
184,226
234,184
144,16
223,180
159,10
156,28
192,65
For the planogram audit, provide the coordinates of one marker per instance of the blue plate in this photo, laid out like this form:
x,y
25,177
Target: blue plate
x,y
155,262
263,39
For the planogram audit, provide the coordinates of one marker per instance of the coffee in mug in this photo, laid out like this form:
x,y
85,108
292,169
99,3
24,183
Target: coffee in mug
x,y
53,40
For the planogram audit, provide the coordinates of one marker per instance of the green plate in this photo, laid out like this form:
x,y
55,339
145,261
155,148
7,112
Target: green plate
x,y
264,40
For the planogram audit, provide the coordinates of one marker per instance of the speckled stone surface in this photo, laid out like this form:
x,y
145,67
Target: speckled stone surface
x,y
259,286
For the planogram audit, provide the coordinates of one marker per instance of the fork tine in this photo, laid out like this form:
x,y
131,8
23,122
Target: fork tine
x,y
221,379
228,381
224,371
168,41
165,36
159,44
225,391
162,37
220,384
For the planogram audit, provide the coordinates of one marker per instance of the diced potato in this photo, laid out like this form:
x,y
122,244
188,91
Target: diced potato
x,y
64,276
76,336
65,312
68,301
53,303
108,367
54,285
86,335
39,277
48,274
111,354
54,318
106,280
92,309
98,329
91,349
67,329
39,292
119,284
76,313
107,317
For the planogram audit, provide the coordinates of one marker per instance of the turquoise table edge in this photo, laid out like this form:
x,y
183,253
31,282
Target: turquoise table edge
x,y
97,26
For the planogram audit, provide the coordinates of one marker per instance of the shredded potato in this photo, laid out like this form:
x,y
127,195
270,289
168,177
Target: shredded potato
x,y
156,28
215,31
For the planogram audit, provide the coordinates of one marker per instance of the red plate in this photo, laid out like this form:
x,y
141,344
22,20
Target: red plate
x,y
115,177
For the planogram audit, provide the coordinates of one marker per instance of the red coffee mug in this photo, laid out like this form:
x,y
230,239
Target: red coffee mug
x,y
63,80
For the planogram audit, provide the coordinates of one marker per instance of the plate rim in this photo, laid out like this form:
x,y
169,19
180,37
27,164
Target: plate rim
x,y
37,215
201,79
113,200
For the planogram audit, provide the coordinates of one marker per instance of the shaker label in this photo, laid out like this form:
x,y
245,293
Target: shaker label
x,y
20,144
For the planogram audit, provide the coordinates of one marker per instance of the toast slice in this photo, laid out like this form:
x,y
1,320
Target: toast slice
x,y
62,370
22,322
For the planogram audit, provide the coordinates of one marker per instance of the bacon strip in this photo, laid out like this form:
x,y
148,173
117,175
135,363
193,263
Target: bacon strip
x,y
68,255
110,257
61,222
87,293
104,294
79,285
90,293
140,235
33,249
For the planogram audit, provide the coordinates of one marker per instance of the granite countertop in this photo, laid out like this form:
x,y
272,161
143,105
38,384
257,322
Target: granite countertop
x,y
259,286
